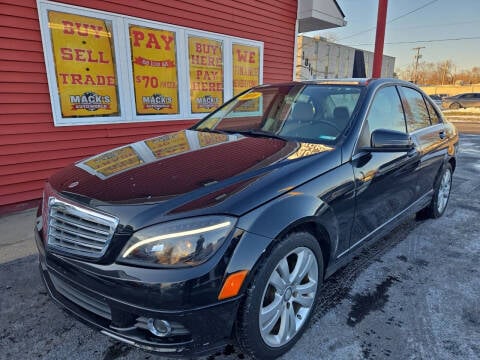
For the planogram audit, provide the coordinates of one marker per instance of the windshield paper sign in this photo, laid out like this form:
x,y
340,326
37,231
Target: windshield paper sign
x,y
82,49
154,70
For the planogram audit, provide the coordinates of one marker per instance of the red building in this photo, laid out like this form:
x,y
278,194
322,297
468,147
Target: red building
x,y
80,77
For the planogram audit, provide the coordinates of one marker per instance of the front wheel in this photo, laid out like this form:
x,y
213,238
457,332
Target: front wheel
x,y
281,298
441,194
455,106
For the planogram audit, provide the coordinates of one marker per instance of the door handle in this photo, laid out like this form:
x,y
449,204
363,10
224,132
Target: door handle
x,y
442,134
412,152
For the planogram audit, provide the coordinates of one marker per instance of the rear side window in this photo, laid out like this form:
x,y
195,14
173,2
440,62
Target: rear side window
x,y
434,118
415,110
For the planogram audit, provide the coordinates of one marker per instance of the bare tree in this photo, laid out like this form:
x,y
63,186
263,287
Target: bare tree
x,y
439,73
445,71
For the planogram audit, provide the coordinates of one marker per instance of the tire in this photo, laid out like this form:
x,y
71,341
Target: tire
x,y
441,194
272,318
455,106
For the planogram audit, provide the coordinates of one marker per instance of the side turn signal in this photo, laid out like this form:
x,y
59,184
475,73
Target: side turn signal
x,y
232,285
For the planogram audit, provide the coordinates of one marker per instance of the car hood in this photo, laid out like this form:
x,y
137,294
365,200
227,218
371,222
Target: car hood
x,y
189,172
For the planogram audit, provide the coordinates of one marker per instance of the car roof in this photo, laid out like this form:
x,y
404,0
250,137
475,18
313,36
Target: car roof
x,y
346,81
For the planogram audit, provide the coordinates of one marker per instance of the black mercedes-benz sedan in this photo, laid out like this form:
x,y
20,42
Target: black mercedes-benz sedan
x,y
225,232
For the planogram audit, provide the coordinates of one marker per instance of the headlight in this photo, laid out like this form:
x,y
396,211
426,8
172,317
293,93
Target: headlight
x,y
183,242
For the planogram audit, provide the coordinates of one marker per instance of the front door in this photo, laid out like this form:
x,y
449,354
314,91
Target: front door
x,y
385,181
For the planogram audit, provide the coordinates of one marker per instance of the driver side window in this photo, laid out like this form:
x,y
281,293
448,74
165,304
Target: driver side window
x,y
386,112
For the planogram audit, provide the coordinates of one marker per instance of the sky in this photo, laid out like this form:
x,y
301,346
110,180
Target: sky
x,y
419,22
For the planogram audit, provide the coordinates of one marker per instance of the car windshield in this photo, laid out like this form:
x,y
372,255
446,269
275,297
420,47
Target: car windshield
x,y
316,113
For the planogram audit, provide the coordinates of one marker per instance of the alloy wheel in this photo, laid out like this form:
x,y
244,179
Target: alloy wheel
x,y
288,297
444,191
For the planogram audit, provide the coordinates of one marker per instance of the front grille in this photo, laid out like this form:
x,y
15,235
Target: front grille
x,y
87,302
78,230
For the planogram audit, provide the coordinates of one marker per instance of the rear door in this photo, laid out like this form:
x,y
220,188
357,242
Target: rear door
x,y
467,100
477,100
428,132
385,181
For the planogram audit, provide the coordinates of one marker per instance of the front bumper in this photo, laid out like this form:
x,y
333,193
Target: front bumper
x,y
101,303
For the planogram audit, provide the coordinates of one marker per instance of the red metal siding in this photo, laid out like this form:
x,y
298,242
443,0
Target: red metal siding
x,y
31,148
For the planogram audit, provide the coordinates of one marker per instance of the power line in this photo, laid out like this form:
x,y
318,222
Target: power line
x,y
419,41
442,25
388,22
412,11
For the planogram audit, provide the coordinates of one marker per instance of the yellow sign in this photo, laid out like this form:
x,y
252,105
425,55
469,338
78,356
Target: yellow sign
x,y
250,96
82,49
250,103
206,74
154,70
115,161
170,144
208,139
246,67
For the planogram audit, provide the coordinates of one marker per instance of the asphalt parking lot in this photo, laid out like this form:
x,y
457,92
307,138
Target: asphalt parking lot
x,y
415,294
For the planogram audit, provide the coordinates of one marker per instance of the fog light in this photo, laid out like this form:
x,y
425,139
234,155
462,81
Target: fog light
x,y
159,328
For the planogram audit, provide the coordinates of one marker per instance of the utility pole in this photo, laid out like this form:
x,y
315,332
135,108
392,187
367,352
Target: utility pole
x,y
415,60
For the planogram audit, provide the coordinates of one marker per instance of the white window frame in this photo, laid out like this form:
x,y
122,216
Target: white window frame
x,y
124,70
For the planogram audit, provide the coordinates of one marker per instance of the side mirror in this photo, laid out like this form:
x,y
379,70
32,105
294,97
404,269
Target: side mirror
x,y
390,140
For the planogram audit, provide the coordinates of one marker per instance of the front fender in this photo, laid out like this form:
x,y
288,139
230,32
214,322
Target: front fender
x,y
271,222
327,202
287,211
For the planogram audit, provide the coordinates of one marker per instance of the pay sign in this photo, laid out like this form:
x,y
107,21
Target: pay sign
x,y
154,70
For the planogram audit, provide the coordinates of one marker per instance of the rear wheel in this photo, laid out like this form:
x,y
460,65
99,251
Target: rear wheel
x,y
455,106
281,297
441,194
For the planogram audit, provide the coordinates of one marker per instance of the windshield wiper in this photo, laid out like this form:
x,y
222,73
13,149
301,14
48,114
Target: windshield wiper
x,y
213,131
254,133
258,133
